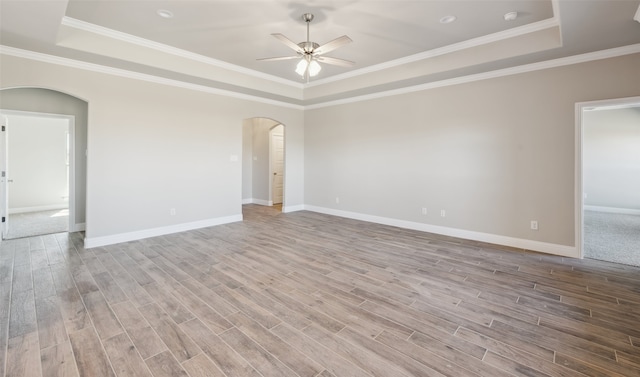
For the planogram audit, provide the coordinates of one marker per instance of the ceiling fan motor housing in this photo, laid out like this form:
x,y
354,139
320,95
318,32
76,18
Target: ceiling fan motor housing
x,y
308,46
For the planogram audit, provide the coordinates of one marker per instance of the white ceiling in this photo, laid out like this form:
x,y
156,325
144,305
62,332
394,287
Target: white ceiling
x,y
238,32
396,44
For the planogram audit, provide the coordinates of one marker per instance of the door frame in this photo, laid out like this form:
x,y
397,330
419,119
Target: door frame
x,y
4,198
580,107
271,148
72,163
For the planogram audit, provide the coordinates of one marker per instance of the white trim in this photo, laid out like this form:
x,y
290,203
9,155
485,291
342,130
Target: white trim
x,y
622,211
579,206
71,128
288,209
4,184
578,193
72,173
31,55
576,59
81,227
617,106
261,202
50,207
475,42
555,6
544,247
114,34
90,242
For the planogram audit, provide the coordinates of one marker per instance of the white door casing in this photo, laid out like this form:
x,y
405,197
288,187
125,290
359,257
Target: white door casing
x,y
4,164
277,164
580,107
4,197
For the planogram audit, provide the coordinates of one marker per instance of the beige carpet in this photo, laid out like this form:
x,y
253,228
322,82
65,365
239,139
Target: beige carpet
x,y
38,223
612,237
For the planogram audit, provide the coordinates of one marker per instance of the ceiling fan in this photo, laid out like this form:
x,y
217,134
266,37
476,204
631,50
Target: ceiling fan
x,y
311,53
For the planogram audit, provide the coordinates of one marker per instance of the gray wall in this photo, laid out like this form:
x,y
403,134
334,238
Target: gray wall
x,y
54,102
495,154
154,147
611,162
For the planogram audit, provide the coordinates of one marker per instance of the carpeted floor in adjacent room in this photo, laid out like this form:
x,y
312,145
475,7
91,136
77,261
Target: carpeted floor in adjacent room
x,y
612,237
38,223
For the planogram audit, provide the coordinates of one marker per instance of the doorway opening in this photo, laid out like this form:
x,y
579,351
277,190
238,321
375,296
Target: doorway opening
x,y
608,180
263,163
38,182
276,164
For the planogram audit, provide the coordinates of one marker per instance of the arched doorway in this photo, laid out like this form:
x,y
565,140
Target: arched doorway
x,y
263,168
65,117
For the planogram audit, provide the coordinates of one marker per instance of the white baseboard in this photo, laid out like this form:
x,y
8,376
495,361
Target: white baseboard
x,y
543,247
90,242
624,211
257,201
287,209
81,227
50,207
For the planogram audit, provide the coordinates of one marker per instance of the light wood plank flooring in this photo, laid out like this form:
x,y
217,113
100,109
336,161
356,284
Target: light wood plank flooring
x,y
305,294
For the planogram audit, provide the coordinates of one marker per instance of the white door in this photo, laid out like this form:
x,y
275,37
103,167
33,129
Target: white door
x,y
4,197
277,165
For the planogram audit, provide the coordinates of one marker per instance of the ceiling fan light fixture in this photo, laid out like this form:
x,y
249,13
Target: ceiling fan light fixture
x,y
301,68
314,68
310,53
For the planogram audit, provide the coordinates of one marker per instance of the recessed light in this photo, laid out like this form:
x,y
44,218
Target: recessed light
x,y
164,13
510,16
447,19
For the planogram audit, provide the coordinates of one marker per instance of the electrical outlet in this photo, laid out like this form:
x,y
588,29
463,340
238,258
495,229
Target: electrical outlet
x,y
172,211
534,225
424,211
337,200
443,213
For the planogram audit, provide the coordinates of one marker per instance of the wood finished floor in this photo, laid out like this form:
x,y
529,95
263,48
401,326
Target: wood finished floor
x,y
305,294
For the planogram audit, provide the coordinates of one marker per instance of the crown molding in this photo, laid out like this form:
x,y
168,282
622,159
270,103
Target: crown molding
x,y
576,59
583,58
475,42
114,34
31,55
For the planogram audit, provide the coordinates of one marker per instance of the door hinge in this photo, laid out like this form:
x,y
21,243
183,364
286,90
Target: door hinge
x,y
2,128
3,219
4,173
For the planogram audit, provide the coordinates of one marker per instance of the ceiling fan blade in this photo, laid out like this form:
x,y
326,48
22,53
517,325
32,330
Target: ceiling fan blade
x,y
335,61
332,45
291,44
279,58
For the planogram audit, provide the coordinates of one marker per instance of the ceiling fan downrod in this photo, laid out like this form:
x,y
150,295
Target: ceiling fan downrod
x,y
308,46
